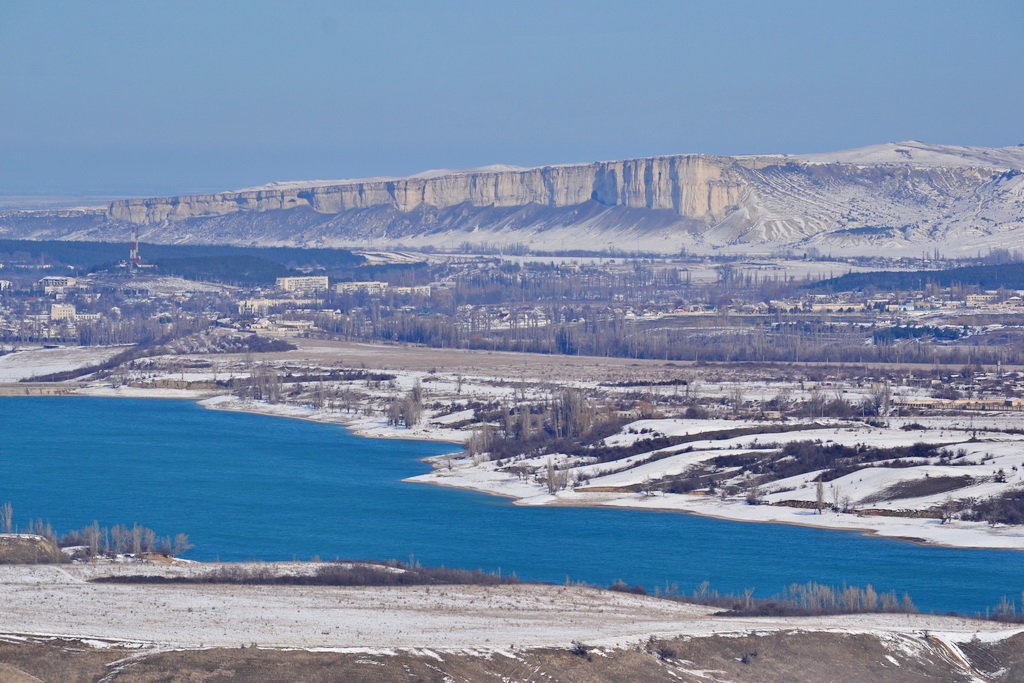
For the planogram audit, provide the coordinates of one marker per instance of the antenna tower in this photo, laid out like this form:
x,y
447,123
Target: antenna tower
x,y
134,260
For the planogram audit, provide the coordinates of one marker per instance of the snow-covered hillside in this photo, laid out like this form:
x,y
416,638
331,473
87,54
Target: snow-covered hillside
x,y
916,153
915,479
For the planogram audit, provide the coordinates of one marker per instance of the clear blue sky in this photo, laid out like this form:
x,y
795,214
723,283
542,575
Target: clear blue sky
x,y
163,97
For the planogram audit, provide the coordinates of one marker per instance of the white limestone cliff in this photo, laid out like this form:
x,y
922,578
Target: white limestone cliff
x,y
893,198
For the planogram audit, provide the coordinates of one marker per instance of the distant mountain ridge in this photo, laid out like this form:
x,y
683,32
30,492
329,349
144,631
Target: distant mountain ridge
x,y
892,198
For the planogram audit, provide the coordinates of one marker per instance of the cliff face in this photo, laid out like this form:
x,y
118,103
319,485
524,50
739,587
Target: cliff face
x,y
697,187
886,199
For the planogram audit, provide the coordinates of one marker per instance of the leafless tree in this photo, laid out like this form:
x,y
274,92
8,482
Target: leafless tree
x,y
736,399
571,414
136,539
411,409
754,495
480,442
947,509
319,397
7,517
880,399
92,538
557,479
181,544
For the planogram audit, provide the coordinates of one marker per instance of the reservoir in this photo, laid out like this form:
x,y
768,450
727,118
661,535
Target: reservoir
x,y
246,486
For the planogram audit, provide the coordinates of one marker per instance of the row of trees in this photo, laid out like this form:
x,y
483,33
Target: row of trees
x,y
803,599
119,539
617,336
264,383
101,541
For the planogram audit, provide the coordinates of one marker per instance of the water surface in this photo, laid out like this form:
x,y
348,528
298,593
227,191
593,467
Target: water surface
x,y
246,486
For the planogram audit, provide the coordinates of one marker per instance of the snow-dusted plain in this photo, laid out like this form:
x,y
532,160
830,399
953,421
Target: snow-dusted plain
x,y
448,617
34,361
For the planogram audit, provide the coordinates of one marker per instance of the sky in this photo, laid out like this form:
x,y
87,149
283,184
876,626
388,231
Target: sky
x,y
125,97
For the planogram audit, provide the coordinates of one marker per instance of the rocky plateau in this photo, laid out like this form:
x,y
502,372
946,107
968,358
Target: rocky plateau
x,y
897,198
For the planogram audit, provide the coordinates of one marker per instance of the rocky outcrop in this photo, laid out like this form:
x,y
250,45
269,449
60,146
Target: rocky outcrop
x,y
699,187
896,198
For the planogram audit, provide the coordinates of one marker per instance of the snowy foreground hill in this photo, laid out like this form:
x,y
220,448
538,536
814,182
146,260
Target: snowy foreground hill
x,y
146,631
896,198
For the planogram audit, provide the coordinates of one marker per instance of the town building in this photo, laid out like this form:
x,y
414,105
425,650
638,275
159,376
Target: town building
x,y
366,286
306,284
263,306
62,312
421,290
55,284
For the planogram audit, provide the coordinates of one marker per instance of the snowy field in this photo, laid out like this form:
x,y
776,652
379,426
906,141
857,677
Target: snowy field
x,y
443,617
32,362
982,457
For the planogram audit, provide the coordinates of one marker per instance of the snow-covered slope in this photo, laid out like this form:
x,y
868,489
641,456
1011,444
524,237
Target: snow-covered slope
x,y
916,153
898,497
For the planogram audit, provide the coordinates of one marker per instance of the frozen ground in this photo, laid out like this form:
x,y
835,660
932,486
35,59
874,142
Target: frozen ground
x,y
984,457
57,600
32,362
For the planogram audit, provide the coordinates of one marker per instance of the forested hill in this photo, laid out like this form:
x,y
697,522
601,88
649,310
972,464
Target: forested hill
x,y
1009,275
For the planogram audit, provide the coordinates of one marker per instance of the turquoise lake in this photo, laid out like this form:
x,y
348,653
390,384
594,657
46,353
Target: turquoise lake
x,y
248,486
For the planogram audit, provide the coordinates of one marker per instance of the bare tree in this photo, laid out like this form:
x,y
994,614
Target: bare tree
x,y
946,509
411,409
556,479
121,537
319,397
264,384
136,539
754,495
880,399
41,528
181,545
395,412
406,410
7,517
571,414
736,399
92,538
480,442
820,496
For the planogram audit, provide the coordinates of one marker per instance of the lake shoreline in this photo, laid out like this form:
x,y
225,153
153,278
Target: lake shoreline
x,y
729,512
726,511
866,531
